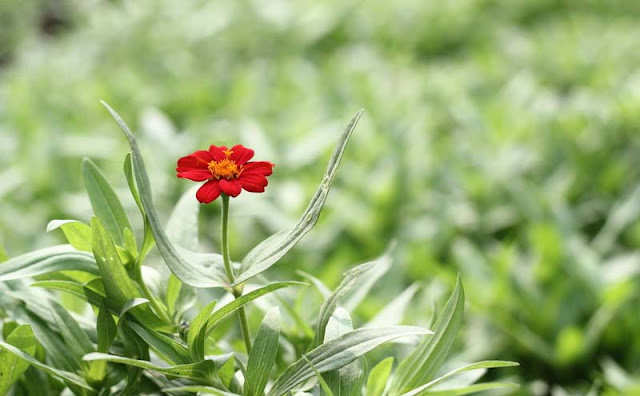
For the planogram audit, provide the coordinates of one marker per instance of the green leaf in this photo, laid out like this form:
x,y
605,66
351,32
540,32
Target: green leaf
x,y
338,353
219,315
77,233
3,254
425,361
105,202
84,292
269,251
117,284
263,354
203,371
47,260
106,327
475,366
166,347
366,281
198,330
128,173
76,340
330,304
11,366
378,377
199,389
475,388
62,375
347,380
182,227
393,312
197,270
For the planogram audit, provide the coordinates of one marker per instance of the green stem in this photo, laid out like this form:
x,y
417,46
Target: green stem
x,y
237,292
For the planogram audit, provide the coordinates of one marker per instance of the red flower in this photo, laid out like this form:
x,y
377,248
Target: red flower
x,y
226,171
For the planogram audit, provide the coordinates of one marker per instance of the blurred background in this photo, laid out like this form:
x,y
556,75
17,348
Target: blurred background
x,y
501,140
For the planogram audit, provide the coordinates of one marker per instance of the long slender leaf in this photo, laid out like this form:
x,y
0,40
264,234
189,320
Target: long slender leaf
x,y
191,268
347,380
65,376
166,347
197,332
471,389
47,260
201,371
106,328
269,251
217,316
338,353
475,366
393,312
263,354
11,366
424,362
200,389
105,202
74,288
330,304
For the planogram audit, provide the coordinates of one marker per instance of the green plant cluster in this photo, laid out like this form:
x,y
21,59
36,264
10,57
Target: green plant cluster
x,y
138,338
501,142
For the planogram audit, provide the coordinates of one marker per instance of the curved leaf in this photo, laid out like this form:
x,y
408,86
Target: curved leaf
x,y
77,233
338,353
263,354
47,260
11,366
269,251
191,268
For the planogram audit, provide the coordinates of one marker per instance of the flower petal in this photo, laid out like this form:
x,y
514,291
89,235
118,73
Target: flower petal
x,y
195,174
230,187
253,178
218,152
262,167
241,154
209,191
198,160
250,186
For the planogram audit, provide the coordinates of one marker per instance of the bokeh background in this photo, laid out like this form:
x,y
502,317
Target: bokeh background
x,y
501,140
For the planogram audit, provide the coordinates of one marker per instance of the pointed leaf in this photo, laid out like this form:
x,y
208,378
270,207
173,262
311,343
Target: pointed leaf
x,y
105,202
74,288
347,380
169,349
273,248
77,233
197,332
201,371
11,366
393,312
199,389
263,354
378,377
475,366
62,375
106,327
425,361
338,353
47,260
191,268
330,304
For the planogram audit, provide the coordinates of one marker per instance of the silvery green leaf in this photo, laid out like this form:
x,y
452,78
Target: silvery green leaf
x,y
263,354
47,260
269,251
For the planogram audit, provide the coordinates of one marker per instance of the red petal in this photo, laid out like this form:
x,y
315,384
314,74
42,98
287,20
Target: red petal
x,y
241,154
209,191
218,152
230,187
252,187
195,174
253,178
197,160
262,167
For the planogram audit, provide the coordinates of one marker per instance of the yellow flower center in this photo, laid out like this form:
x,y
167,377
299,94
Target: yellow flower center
x,y
225,168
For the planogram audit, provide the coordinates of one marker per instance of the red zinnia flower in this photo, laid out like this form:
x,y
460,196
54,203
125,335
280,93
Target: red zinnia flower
x,y
227,171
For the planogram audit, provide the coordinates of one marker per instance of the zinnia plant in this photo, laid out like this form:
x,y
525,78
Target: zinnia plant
x,y
146,333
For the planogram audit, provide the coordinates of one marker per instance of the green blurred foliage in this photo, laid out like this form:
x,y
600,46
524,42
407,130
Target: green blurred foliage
x,y
500,140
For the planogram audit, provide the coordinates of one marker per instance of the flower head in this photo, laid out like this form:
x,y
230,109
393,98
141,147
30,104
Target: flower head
x,y
226,171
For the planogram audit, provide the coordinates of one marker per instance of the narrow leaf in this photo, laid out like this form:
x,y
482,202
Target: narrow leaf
x,y
219,315
191,268
347,380
276,246
330,304
338,353
425,361
106,327
47,260
263,354
169,349
475,366
200,389
74,288
197,332
62,375
11,366
105,202
378,377
77,233
201,371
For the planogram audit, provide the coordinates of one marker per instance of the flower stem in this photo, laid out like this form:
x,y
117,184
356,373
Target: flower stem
x,y
237,292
